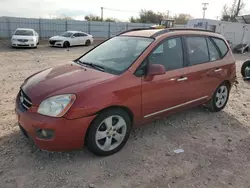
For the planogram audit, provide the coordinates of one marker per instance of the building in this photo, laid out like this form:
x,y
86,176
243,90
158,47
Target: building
x,y
235,32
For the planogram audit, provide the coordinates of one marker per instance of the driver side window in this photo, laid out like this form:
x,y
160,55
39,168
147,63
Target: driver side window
x,y
76,35
169,54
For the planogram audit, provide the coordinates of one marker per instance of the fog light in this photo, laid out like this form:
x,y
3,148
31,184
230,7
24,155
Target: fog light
x,y
44,133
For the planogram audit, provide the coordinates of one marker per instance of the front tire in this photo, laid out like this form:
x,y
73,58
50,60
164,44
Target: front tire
x,y
87,43
219,98
66,44
109,132
245,69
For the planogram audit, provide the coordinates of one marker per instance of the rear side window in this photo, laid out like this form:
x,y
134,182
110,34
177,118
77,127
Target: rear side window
x,y
82,35
76,35
197,50
221,45
213,52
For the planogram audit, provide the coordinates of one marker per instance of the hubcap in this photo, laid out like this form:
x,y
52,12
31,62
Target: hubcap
x,y
110,133
221,96
247,72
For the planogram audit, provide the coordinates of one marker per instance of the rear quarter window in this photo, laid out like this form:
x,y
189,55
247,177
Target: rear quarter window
x,y
221,45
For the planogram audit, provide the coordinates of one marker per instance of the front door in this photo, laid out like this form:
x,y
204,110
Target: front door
x,y
75,40
165,93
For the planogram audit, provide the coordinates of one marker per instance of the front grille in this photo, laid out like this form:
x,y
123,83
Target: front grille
x,y
25,45
23,40
52,42
24,101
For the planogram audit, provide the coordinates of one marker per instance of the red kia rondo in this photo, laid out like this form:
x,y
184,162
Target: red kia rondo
x,y
128,80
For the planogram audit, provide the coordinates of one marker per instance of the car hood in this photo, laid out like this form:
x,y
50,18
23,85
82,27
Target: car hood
x,y
58,38
22,37
53,80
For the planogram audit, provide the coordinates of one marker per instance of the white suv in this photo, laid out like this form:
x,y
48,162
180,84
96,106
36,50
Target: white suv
x,y
24,37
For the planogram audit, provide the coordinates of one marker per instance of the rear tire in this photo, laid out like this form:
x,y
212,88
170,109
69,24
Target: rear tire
x,y
108,132
245,69
66,44
220,98
87,43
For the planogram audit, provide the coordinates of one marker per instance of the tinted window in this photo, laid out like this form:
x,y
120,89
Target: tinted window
x,y
169,54
76,35
197,50
213,52
82,35
66,34
221,45
24,32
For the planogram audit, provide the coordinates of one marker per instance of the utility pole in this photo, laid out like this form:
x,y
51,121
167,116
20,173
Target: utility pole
x,y
204,9
168,13
102,13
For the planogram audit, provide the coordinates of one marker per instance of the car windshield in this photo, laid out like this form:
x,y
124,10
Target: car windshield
x,y
117,54
66,34
24,32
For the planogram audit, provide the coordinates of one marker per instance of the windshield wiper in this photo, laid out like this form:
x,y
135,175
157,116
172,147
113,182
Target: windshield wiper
x,y
98,67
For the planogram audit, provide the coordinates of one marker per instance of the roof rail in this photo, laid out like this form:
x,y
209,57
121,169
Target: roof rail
x,y
189,29
136,29
160,33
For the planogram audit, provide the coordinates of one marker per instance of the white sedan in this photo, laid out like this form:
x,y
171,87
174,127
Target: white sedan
x,y
24,37
71,38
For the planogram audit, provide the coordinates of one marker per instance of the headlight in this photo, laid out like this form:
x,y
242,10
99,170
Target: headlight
x,y
14,39
56,106
31,40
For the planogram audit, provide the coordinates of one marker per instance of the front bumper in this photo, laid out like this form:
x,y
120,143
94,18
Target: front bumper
x,y
56,43
23,44
68,134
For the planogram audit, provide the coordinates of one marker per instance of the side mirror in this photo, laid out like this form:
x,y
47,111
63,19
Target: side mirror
x,y
73,37
153,70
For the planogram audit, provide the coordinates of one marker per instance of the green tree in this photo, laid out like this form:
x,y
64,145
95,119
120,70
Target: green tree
x,y
110,20
93,18
181,18
98,18
148,16
64,18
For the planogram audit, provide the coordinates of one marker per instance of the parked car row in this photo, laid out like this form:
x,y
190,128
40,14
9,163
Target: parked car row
x,y
25,37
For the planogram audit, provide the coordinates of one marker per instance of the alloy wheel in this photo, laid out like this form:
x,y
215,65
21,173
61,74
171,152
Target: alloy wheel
x,y
221,96
110,133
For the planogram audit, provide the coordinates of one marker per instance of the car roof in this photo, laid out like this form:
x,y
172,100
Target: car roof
x,y
155,33
76,31
29,29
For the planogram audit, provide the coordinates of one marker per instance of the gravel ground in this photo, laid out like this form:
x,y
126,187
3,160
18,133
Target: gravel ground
x,y
216,145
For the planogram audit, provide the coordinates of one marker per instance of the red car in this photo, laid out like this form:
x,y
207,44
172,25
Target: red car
x,y
128,80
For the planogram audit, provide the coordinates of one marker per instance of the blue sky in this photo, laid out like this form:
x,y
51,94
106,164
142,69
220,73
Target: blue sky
x,y
79,8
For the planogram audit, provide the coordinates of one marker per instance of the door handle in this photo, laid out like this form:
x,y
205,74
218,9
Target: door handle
x,y
217,70
182,79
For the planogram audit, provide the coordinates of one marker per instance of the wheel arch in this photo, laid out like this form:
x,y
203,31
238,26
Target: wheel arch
x,y
124,108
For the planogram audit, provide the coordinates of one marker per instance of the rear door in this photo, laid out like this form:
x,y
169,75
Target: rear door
x,y
203,71
83,37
